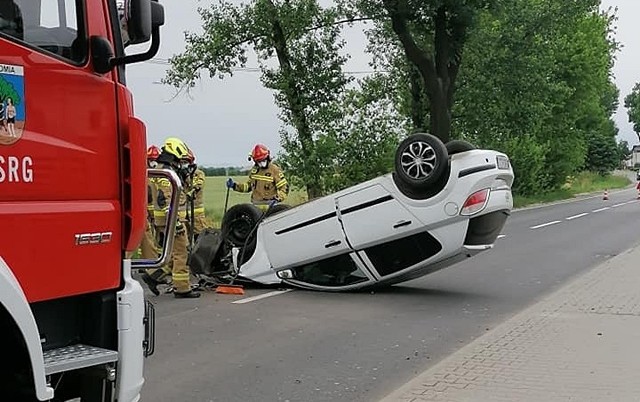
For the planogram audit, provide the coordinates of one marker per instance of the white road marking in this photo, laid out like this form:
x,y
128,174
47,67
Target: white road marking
x,y
501,236
544,225
262,296
618,205
577,216
600,209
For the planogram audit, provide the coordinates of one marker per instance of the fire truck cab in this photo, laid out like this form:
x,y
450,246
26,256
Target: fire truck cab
x,y
74,325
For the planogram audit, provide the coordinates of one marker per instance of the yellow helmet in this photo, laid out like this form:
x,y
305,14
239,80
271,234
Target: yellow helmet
x,y
176,147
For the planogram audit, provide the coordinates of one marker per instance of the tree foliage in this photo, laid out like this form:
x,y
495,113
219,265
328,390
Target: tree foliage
x,y
624,151
359,144
431,36
532,78
538,74
302,39
632,103
8,91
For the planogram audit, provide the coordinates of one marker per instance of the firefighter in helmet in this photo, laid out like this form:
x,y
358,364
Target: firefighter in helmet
x,y
148,246
266,183
172,156
195,194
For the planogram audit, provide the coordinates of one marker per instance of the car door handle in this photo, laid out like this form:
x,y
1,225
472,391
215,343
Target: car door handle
x,y
401,224
332,243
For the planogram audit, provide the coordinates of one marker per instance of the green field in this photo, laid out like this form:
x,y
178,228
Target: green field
x,y
215,191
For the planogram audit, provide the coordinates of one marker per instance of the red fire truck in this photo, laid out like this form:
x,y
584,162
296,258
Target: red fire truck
x,y
74,325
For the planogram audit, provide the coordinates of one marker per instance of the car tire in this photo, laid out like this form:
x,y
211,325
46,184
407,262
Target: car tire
x,y
458,146
276,209
202,259
239,223
421,165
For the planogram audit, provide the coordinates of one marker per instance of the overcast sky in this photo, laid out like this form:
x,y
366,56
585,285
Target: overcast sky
x,y
223,119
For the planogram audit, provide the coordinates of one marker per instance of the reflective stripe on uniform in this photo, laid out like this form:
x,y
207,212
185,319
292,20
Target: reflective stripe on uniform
x,y
281,183
243,187
180,277
261,178
183,214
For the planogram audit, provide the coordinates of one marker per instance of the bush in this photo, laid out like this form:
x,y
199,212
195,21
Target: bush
x,y
528,161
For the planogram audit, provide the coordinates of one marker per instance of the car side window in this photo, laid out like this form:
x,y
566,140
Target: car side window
x,y
56,26
336,271
394,256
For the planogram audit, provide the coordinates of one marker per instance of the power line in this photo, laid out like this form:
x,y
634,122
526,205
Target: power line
x,y
165,62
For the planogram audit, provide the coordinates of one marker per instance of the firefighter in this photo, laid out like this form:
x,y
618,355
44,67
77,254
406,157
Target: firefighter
x,y
266,180
148,247
172,155
195,194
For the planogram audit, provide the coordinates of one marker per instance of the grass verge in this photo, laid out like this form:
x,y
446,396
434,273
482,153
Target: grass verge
x,y
583,183
215,192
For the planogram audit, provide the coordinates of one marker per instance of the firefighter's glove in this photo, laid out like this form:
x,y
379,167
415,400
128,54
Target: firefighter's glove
x,y
191,193
230,183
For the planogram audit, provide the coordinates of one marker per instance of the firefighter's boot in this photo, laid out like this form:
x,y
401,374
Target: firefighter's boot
x,y
152,284
154,279
187,295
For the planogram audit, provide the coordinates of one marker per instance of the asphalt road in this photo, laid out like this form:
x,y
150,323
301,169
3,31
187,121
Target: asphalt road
x,y
311,346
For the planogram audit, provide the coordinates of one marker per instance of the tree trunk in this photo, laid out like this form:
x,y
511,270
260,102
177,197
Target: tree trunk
x,y
438,74
440,122
418,108
310,172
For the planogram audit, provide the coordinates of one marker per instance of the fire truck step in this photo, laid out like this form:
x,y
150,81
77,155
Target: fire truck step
x,y
76,357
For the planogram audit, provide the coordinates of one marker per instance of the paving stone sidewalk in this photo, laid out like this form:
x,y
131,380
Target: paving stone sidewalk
x,y
581,343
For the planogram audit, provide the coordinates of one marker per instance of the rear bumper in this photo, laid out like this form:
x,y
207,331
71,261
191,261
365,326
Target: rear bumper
x,y
484,230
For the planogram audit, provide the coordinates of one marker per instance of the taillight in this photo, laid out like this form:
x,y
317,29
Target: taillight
x,y
475,203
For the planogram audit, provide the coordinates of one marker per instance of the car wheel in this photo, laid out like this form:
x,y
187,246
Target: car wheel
x,y
421,161
239,222
458,146
276,209
205,250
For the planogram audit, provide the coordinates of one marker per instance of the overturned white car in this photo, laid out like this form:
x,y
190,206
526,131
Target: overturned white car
x,y
440,205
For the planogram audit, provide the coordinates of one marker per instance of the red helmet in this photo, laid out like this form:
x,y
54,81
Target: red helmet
x,y
152,153
191,157
260,153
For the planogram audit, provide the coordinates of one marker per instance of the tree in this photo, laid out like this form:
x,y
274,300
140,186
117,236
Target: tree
x,y
431,35
624,151
632,103
8,91
303,40
537,74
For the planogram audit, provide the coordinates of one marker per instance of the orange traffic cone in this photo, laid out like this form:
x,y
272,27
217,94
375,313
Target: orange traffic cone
x,y
606,195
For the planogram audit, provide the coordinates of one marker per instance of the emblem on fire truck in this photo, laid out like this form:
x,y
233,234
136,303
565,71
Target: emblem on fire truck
x,y
12,103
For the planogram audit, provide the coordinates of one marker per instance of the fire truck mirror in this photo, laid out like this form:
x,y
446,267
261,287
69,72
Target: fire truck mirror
x,y
101,54
140,22
138,18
